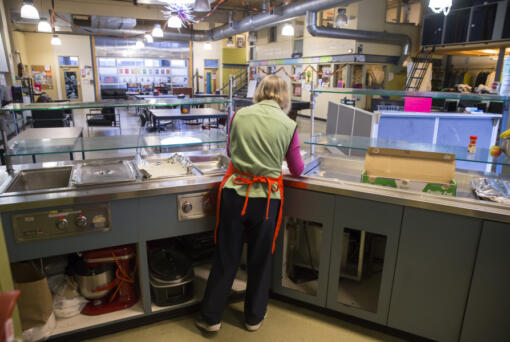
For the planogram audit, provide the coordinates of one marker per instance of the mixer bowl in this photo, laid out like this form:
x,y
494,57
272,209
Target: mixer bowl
x,y
88,283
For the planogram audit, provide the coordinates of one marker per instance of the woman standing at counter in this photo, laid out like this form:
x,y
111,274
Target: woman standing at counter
x,y
250,202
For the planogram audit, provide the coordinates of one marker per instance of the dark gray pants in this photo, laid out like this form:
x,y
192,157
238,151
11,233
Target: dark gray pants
x,y
232,231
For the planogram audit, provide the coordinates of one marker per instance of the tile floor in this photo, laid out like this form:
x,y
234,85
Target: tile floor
x,y
285,322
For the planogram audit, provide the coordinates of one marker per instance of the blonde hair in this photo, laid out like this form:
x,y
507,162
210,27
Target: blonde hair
x,y
273,88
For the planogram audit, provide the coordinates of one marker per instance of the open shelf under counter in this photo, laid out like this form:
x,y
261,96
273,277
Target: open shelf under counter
x,y
72,324
200,282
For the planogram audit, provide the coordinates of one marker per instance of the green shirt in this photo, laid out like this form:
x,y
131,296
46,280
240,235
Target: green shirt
x,y
259,139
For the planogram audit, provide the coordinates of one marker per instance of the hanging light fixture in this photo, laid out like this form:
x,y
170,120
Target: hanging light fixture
x,y
288,30
28,11
341,19
157,32
174,21
230,42
139,44
44,26
252,37
149,38
202,6
208,46
438,6
55,40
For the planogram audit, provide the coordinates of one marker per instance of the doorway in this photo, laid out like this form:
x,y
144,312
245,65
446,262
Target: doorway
x,y
71,83
210,80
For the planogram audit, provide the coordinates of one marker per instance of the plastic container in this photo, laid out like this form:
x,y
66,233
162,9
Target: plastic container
x,y
472,144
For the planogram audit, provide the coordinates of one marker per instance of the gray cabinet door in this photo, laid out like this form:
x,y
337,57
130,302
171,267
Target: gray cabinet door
x,y
301,259
432,277
488,310
363,256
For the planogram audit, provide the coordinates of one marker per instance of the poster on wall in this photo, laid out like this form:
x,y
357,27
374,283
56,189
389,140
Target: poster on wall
x,y
41,74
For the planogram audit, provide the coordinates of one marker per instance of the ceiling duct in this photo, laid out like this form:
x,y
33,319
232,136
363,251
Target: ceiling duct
x,y
250,23
365,36
115,23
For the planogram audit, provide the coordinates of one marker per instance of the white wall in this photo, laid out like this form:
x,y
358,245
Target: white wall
x,y
200,54
73,45
282,48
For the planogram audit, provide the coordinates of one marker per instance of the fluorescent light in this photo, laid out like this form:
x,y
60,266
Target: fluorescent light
x,y
230,42
44,26
174,21
208,46
28,11
139,44
288,30
149,38
438,6
56,40
157,32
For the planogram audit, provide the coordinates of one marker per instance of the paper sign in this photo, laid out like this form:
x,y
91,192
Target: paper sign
x,y
418,104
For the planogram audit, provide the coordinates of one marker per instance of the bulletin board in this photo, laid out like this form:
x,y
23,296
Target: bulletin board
x,y
42,74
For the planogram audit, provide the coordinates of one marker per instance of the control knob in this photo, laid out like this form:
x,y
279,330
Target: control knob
x,y
62,223
186,207
207,204
81,221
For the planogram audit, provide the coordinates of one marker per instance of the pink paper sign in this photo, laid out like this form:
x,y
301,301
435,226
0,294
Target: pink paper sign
x,y
418,104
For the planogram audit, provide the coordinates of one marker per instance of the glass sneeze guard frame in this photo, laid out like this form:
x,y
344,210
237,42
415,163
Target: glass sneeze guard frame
x,y
482,155
103,143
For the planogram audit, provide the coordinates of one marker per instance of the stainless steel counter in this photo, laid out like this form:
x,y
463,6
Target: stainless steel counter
x,y
333,176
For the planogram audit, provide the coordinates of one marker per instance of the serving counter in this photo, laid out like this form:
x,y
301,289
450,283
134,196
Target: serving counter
x,y
416,262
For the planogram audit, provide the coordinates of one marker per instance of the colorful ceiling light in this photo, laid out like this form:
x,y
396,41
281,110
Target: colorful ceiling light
x,y
55,40
44,26
148,38
288,30
438,6
157,32
28,11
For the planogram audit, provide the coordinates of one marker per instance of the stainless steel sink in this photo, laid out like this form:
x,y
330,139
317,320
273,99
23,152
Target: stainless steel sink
x,y
210,164
41,179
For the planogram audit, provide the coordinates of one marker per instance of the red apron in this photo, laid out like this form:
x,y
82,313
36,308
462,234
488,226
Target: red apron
x,y
249,180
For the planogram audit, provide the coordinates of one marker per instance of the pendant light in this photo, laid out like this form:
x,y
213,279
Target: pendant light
x,y
55,40
157,32
44,26
252,37
288,30
28,11
139,44
438,6
149,38
202,6
341,19
208,46
230,42
174,21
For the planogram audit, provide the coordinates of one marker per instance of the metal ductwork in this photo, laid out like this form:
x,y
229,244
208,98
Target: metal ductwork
x,y
112,22
250,23
366,36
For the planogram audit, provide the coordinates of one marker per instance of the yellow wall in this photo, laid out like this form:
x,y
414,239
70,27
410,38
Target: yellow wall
x,y
36,49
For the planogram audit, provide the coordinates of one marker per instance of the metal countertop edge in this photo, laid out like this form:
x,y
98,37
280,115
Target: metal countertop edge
x,y
456,206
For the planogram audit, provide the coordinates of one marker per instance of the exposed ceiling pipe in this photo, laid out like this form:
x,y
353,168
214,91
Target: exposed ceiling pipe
x,y
367,36
250,23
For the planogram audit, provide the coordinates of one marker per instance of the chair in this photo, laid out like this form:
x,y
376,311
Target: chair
x,y
104,117
50,118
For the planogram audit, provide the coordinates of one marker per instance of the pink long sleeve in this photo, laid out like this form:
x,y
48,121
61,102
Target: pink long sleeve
x,y
293,157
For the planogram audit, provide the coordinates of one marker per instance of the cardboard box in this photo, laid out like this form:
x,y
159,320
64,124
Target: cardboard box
x,y
412,170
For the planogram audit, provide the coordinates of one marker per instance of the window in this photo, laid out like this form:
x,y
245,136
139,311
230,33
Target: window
x,y
273,33
403,11
298,47
68,61
253,51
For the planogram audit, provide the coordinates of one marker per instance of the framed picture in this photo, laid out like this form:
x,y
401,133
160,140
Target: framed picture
x,y
240,42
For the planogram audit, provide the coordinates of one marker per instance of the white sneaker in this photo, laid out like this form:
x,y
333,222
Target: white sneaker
x,y
255,327
199,322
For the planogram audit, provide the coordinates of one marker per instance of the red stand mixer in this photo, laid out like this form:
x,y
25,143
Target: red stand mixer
x,y
120,292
